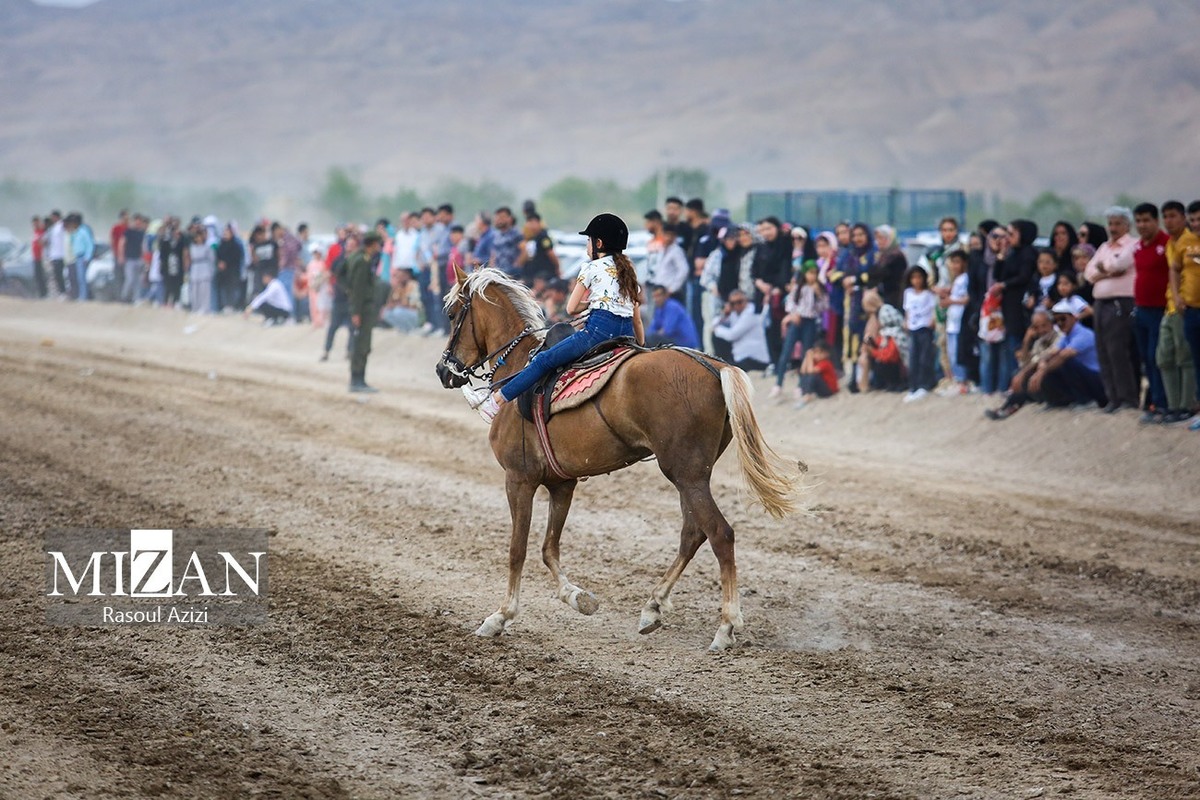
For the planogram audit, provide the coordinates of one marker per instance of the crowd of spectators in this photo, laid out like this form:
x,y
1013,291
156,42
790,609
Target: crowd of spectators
x,y
1101,315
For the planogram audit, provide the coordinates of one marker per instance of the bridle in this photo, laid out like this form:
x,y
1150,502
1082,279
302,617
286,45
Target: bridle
x,y
497,357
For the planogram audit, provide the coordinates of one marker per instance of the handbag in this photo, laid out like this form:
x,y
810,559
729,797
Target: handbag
x,y
886,351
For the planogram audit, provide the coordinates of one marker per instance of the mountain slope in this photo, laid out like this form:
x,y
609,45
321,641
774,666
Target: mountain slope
x,y
1007,96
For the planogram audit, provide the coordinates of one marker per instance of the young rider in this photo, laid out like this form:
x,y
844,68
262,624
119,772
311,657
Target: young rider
x,y
608,287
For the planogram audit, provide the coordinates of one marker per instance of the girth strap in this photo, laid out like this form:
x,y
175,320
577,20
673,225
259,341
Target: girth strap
x,y
539,424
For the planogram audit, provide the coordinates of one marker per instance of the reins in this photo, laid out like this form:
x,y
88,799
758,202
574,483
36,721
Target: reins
x,y
497,357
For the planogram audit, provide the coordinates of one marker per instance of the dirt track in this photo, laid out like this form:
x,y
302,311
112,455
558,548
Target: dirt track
x,y
973,609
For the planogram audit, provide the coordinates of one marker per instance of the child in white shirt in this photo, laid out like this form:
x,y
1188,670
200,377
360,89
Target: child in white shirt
x,y
920,309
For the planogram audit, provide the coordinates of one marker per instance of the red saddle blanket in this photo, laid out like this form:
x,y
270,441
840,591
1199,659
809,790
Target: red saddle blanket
x,y
581,383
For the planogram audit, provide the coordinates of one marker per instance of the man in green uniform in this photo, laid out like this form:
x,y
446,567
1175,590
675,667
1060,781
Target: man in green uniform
x,y
360,279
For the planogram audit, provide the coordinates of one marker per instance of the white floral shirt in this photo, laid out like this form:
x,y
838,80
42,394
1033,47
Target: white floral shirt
x,y
600,278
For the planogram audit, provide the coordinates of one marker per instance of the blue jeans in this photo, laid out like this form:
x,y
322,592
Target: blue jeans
x,y
958,370
920,359
796,335
429,298
804,332
1191,332
695,302
81,265
1008,361
1146,322
991,356
286,276
601,326
1073,383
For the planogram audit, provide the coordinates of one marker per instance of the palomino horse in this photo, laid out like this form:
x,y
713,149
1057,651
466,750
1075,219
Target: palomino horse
x,y
662,403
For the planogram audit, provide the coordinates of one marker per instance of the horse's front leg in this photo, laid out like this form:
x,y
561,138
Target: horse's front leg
x,y
581,600
520,503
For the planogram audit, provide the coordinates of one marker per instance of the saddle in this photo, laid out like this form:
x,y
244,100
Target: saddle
x,y
574,384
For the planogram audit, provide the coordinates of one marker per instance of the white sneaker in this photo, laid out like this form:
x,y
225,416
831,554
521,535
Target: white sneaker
x,y
915,395
483,401
489,409
476,395
775,392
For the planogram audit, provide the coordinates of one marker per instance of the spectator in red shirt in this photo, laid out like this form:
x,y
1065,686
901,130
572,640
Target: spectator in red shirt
x,y
39,269
818,378
1152,274
115,237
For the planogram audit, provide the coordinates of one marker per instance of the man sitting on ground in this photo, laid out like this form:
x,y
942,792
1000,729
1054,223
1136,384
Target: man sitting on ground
x,y
1070,373
402,310
742,326
1040,337
273,302
671,323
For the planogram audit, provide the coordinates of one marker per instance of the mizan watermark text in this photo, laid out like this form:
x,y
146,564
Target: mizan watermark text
x,y
194,577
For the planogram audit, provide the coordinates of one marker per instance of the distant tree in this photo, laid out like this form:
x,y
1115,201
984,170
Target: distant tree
x,y
1049,207
242,205
401,201
342,197
1127,200
687,183
572,201
468,199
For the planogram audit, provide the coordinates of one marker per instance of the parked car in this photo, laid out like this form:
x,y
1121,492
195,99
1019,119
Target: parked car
x,y
16,270
571,249
17,278
102,275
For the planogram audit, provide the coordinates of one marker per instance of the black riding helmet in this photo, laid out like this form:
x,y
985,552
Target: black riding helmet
x,y
610,229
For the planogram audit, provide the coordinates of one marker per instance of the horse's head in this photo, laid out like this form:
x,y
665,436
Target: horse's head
x,y
483,325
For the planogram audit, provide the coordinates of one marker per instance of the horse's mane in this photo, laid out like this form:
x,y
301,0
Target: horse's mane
x,y
518,294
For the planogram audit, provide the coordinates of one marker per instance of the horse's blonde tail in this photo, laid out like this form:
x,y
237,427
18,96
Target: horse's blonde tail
x,y
764,470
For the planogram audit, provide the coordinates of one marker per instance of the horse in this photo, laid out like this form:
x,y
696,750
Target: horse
x,y
682,407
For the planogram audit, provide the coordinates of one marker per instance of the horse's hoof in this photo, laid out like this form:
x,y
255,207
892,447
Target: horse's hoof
x,y
649,623
585,603
723,640
492,626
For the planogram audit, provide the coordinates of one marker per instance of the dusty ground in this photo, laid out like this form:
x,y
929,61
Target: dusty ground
x,y
974,609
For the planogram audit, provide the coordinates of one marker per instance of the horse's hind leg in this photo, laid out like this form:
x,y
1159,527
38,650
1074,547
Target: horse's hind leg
x,y
520,504
720,537
690,539
560,503
707,521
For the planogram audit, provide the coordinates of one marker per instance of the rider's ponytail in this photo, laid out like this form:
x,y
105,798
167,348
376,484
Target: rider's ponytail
x,y
627,277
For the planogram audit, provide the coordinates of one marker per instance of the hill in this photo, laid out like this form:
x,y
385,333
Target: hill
x,y
1090,99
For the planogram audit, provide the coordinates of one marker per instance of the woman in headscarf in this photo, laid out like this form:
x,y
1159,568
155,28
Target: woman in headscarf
x,y
1081,255
737,256
857,263
732,262
980,260
771,271
804,249
1092,233
202,270
829,277
890,267
231,254
1015,267
1062,238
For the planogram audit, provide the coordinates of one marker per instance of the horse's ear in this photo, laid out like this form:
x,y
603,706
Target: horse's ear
x,y
459,275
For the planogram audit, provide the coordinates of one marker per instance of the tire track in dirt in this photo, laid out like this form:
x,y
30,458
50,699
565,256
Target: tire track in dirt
x,y
508,735
897,695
